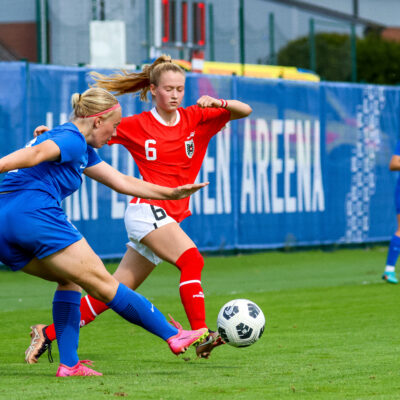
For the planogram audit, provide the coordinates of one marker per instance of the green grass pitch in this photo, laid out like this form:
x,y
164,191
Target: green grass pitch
x,y
332,332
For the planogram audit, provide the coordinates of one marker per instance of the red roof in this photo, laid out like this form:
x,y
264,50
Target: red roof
x,y
391,34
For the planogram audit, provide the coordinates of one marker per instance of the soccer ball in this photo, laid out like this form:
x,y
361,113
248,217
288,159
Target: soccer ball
x,y
240,323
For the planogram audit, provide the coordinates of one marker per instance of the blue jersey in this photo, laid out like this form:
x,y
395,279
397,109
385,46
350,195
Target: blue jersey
x,y
57,178
397,149
397,191
32,222
397,153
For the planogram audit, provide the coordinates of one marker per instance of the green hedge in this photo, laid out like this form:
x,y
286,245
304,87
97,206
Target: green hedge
x,y
378,60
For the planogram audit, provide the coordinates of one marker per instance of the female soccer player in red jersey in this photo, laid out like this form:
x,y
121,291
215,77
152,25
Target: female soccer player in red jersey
x,y
168,145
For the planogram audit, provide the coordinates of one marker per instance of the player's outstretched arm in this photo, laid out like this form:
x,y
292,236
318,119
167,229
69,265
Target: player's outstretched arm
x,y
237,108
183,191
109,176
30,156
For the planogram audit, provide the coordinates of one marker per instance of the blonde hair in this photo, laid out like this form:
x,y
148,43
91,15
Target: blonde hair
x,y
125,82
92,101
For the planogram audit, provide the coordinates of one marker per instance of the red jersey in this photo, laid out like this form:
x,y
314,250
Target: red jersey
x,y
170,155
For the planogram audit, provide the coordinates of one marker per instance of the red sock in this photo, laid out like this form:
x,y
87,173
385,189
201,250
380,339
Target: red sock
x,y
50,331
190,263
90,309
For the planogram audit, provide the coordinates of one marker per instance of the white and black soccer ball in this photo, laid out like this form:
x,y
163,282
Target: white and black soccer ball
x,y
240,322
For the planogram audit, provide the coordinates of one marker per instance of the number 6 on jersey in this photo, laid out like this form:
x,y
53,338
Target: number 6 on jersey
x,y
151,152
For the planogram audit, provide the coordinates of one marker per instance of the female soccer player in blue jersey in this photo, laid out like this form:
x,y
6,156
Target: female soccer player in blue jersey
x,y
394,248
37,238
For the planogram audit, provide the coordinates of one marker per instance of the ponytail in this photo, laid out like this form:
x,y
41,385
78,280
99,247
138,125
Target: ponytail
x,y
125,82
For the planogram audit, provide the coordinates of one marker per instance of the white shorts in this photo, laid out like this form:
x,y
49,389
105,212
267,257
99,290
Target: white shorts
x,y
141,219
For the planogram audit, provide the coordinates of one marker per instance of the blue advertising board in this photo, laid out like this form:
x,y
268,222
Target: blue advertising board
x,y
309,166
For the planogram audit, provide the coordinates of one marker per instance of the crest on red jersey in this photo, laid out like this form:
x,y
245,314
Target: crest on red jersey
x,y
189,147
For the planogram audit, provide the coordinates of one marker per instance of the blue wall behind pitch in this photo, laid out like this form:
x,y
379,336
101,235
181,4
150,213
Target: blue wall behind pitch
x,y
308,167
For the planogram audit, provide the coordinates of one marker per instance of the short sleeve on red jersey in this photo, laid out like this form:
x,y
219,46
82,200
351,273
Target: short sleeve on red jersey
x,y
124,131
211,120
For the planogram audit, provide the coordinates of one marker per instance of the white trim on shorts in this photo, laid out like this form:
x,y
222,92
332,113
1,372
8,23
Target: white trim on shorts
x,y
140,220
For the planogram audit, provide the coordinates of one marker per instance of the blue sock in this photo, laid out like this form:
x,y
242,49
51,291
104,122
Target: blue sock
x,y
394,251
137,309
66,317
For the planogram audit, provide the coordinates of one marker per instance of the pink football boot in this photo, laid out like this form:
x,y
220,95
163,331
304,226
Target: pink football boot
x,y
180,342
79,369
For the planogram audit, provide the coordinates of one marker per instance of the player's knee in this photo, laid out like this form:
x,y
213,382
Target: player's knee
x,y
100,284
103,292
190,263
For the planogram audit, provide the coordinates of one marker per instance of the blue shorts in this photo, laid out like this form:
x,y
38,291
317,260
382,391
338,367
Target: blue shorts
x,y
32,224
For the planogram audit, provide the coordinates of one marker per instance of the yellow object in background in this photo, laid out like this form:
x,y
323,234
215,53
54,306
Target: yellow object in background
x,y
253,70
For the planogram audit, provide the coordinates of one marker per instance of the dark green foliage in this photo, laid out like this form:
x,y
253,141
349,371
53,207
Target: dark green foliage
x,y
378,60
333,59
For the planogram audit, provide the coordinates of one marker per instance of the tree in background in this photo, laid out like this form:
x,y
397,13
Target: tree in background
x,y
378,60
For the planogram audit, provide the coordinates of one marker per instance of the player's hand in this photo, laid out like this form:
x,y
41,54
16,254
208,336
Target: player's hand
x,y
181,192
209,102
40,129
